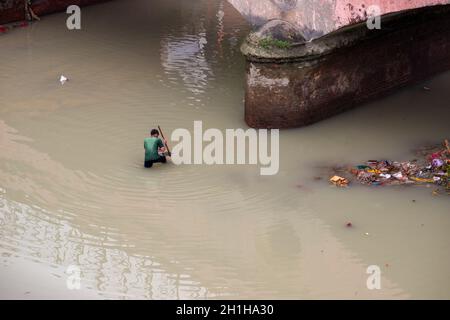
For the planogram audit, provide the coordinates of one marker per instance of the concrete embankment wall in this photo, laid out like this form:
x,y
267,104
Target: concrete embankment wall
x,y
14,10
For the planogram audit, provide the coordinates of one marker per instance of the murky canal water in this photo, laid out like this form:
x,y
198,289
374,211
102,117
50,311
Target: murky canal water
x,y
73,190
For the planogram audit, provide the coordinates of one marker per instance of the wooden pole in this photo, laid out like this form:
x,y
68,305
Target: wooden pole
x,y
162,135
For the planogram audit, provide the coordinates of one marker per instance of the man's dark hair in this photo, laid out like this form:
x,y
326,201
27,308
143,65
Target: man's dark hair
x,y
153,132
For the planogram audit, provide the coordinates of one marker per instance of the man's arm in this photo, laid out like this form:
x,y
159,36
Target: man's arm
x,y
161,146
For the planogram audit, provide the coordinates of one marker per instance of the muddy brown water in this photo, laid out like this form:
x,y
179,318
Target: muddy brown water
x,y
73,190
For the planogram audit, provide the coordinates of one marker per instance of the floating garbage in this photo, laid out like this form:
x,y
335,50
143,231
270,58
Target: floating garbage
x,y
437,163
434,169
63,79
339,181
8,27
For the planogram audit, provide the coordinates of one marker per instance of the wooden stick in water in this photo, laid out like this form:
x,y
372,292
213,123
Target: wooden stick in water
x,y
162,135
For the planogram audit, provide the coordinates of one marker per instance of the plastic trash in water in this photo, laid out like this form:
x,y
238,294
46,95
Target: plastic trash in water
x,y
63,79
424,180
437,163
398,175
339,181
432,168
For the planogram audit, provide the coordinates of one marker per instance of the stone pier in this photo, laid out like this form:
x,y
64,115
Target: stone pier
x,y
293,80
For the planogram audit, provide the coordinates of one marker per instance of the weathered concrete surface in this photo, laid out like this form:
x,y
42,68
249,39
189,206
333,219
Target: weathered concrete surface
x,y
313,81
14,10
280,30
316,18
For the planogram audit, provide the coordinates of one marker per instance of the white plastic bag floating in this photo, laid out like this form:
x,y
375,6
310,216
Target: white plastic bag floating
x,y
398,175
63,79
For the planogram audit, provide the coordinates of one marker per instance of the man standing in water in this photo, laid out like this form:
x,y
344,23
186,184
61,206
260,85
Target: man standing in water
x,y
154,149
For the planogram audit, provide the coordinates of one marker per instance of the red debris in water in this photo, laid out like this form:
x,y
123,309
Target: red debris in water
x,y
23,24
349,225
436,155
3,29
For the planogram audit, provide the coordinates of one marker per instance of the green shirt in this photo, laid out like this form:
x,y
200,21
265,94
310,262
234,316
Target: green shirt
x,y
151,146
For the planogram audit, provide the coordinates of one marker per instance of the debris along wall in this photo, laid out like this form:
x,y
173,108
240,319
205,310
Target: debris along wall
x,y
292,85
14,10
318,17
